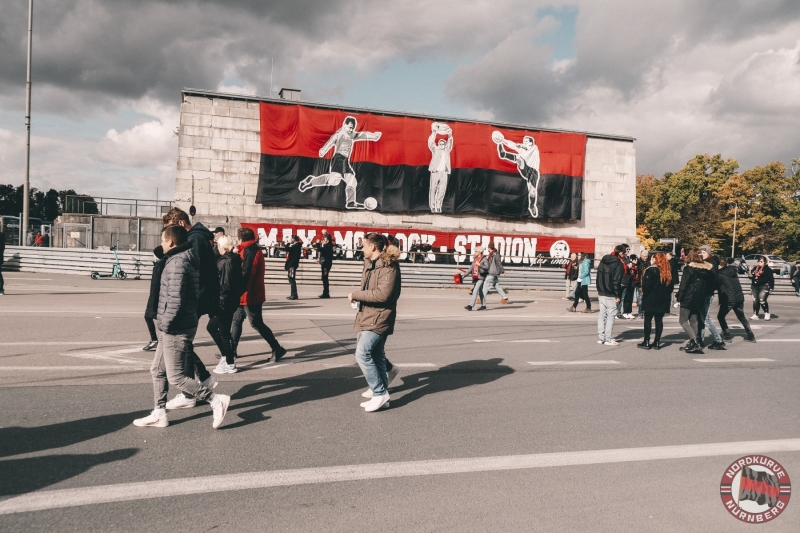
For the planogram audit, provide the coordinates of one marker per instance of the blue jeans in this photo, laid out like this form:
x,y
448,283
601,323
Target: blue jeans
x,y
608,314
477,290
171,365
492,281
372,360
707,321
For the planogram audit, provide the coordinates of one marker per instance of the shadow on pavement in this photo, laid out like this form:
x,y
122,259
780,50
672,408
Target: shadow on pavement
x,y
21,476
15,440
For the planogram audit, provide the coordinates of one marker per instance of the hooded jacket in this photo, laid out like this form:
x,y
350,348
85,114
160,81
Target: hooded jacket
x,y
293,253
252,273
180,290
231,282
694,285
380,289
201,238
151,311
656,297
492,264
584,270
571,270
608,279
729,286
714,262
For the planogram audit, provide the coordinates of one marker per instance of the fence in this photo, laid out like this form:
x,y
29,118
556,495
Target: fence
x,y
343,273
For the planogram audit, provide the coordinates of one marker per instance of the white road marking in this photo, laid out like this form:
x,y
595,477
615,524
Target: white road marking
x,y
731,360
32,279
520,340
73,343
587,362
416,365
70,311
778,340
166,488
126,368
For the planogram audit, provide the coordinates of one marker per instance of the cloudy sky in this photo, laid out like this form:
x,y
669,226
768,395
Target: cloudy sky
x,y
683,77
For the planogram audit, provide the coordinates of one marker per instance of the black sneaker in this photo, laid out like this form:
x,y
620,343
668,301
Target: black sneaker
x,y
726,336
468,307
291,297
481,308
716,346
751,337
278,353
151,346
324,295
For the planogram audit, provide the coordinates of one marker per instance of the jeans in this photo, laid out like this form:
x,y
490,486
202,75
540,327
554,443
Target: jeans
x,y
581,293
608,314
371,357
795,284
291,273
476,292
253,313
219,328
707,321
760,295
637,296
492,281
170,366
690,322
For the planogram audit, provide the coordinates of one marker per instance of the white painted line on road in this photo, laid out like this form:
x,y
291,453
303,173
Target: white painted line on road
x,y
71,311
533,340
337,366
732,360
73,343
166,488
416,365
32,279
587,362
265,366
778,340
126,368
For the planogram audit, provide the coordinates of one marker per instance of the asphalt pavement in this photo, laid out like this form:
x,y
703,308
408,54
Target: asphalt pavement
x,y
510,419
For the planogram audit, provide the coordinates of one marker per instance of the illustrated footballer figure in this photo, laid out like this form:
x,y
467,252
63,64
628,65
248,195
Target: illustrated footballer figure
x,y
440,164
527,160
342,142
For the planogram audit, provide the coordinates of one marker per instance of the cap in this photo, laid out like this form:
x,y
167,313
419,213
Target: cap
x,y
219,229
706,248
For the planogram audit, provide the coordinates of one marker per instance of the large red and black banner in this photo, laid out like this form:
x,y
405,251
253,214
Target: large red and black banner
x,y
328,158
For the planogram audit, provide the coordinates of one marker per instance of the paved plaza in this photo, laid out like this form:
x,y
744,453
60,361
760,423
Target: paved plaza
x,y
512,419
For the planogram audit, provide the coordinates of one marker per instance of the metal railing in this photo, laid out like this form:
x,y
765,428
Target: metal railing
x,y
104,205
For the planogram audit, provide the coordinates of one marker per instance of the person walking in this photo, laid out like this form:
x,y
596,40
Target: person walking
x,y
794,277
719,342
584,270
325,250
571,277
151,310
294,250
2,259
479,274
254,295
494,268
674,266
762,282
178,299
231,286
657,286
731,298
377,311
641,265
692,294
609,293
630,282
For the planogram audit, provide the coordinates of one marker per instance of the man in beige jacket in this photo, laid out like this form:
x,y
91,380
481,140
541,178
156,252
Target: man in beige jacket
x,y
377,310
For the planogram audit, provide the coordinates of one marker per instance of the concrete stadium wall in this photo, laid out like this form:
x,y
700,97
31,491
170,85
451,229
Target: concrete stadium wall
x,y
219,144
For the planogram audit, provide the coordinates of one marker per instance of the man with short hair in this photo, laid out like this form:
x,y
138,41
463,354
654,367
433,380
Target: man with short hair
x,y
719,343
293,249
178,300
609,294
218,232
571,276
493,265
377,310
325,250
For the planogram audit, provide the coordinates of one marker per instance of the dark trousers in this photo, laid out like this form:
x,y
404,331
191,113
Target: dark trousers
x,y
219,328
2,282
691,322
253,314
648,324
738,309
291,273
151,327
627,300
760,295
582,293
326,270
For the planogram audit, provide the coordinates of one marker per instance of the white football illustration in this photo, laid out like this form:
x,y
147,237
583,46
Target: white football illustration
x,y
497,137
370,203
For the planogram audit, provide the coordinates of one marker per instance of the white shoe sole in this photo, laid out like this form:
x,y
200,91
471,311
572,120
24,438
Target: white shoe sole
x,y
372,407
226,401
159,423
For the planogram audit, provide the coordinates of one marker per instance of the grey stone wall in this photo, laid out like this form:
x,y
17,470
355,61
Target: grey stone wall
x,y
219,145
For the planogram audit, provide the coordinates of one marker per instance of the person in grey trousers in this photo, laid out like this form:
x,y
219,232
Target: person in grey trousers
x,y
177,324
608,282
494,269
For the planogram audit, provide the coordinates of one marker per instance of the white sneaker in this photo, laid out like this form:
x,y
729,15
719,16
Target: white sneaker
x,y
766,316
628,316
377,402
612,342
224,368
181,402
366,394
156,419
392,374
218,368
600,342
219,404
210,383
754,317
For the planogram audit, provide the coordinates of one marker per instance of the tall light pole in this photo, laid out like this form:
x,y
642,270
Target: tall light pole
x,y
26,189
733,241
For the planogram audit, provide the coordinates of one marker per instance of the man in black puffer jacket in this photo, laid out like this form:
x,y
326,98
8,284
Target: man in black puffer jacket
x,y
731,298
609,293
692,294
151,311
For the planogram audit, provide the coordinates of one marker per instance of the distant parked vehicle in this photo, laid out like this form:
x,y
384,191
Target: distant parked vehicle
x,y
774,262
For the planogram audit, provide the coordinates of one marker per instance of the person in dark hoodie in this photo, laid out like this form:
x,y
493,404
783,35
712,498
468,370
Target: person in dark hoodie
x,y
692,295
325,250
201,240
719,342
231,286
151,311
254,296
294,250
762,282
609,293
177,319
657,287
731,298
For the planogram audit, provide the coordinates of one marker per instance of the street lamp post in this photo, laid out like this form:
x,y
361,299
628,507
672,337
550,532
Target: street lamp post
x,y
733,241
26,187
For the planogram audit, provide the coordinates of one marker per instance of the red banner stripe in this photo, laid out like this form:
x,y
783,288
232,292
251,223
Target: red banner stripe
x,y
762,487
298,130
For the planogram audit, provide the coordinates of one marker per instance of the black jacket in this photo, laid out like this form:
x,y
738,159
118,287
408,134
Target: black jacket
x,y
656,297
674,265
766,277
642,266
293,253
714,261
694,285
571,270
729,286
608,279
151,311
180,290
2,246
201,238
231,282
326,255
